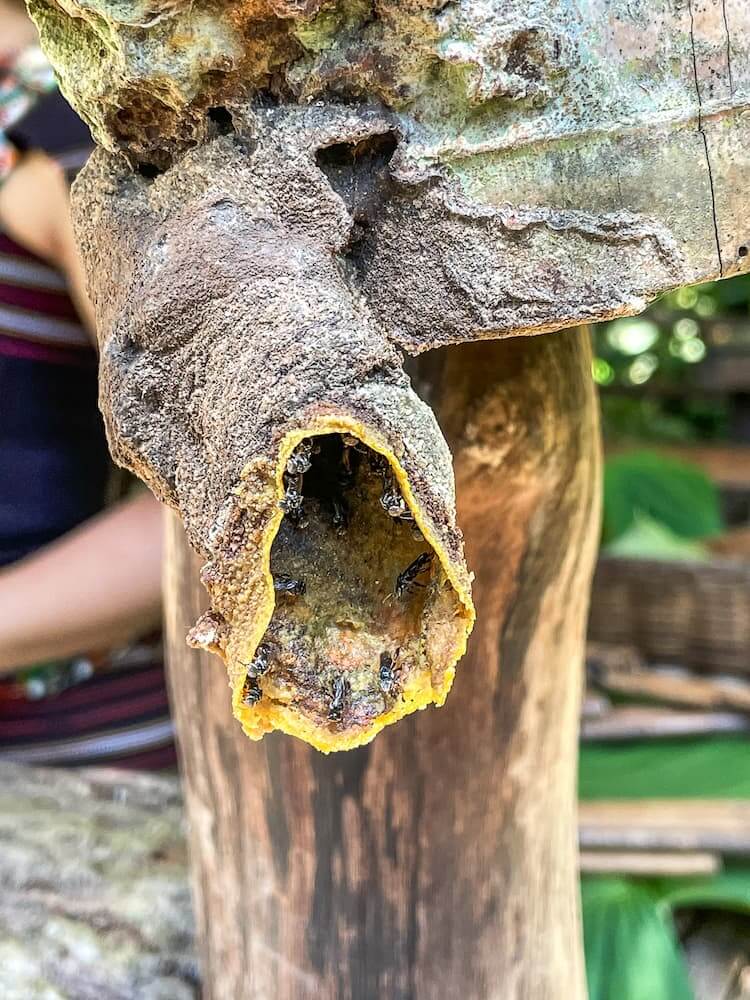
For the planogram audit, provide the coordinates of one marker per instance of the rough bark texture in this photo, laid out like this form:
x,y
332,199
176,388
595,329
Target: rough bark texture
x,y
440,860
94,897
581,129
229,334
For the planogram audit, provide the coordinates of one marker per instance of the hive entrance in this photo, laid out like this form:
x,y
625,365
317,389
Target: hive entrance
x,y
354,578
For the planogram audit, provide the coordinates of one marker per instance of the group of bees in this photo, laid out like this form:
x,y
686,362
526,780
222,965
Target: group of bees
x,y
293,505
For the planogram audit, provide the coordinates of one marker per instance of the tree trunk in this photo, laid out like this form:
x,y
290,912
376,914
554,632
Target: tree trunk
x,y
440,860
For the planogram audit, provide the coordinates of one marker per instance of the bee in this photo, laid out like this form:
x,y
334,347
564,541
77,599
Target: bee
x,y
339,693
408,579
260,662
251,693
300,461
387,674
284,584
293,503
340,516
391,499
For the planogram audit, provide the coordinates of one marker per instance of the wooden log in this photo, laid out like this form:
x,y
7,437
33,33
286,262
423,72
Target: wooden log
x,y
619,670
595,705
721,825
637,722
94,898
439,860
681,690
649,864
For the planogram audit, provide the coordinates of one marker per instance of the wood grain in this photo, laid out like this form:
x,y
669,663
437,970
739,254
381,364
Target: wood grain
x,y
649,864
641,722
440,860
721,825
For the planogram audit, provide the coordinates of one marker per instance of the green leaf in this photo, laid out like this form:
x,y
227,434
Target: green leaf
x,y
631,949
727,890
676,494
648,539
711,767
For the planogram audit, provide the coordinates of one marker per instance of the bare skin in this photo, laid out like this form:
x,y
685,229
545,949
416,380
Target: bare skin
x,y
99,585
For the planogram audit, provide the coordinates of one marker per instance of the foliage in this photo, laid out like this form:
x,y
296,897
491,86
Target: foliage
x,y
632,951
631,948
647,486
648,539
716,767
662,349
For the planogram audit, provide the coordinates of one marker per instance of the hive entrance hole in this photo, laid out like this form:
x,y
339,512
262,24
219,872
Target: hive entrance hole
x,y
346,633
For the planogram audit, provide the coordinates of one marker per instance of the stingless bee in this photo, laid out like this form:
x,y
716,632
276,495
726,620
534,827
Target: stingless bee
x,y
391,499
340,515
300,461
260,662
293,503
251,693
336,705
408,579
284,584
349,461
387,674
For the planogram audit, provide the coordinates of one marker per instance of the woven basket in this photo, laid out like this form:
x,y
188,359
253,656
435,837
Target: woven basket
x,y
696,614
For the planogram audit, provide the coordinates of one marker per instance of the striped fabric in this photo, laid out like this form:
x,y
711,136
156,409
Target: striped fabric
x,y
119,718
36,309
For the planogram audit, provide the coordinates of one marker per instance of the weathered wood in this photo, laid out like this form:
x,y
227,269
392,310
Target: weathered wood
x,y
620,670
721,825
649,864
439,860
636,722
94,899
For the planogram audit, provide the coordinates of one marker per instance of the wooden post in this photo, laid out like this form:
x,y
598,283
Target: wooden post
x,y
440,860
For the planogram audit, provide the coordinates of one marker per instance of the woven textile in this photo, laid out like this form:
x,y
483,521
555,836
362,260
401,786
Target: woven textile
x,y
24,77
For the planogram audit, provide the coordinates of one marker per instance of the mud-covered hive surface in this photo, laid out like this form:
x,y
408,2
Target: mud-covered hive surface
x,y
366,623
296,193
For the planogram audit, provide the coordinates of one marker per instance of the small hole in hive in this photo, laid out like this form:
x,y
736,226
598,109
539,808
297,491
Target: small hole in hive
x,y
149,170
222,119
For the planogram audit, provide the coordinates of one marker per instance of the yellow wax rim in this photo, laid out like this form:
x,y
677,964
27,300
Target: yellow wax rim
x,y
268,715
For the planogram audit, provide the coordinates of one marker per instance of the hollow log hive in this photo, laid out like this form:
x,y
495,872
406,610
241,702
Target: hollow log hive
x,y
291,195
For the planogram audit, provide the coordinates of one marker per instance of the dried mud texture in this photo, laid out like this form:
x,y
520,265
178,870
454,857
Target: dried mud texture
x,y
229,334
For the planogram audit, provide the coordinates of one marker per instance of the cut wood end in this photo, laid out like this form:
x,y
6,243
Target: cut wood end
x,y
341,618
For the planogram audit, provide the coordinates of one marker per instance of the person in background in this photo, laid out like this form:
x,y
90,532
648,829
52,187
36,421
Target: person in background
x,y
79,583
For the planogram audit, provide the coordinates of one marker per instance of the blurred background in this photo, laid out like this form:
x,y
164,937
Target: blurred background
x,y
665,763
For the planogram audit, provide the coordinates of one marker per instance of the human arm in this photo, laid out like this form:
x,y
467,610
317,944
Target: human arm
x,y
95,587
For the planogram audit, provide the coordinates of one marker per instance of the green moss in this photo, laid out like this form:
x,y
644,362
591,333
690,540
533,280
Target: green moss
x,y
321,33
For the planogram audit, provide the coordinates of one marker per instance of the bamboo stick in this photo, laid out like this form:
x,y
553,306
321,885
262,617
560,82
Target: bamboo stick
x,y
649,863
635,722
666,824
